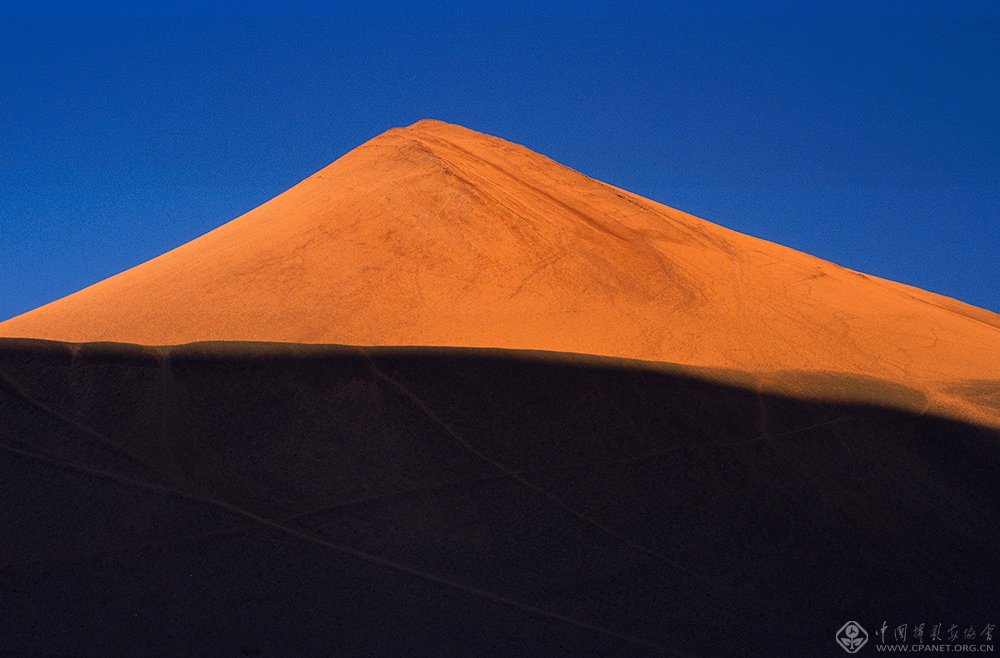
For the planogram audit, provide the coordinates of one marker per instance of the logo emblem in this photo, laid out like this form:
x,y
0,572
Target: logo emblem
x,y
851,637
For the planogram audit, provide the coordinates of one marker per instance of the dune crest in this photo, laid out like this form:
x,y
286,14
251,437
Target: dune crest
x,y
437,235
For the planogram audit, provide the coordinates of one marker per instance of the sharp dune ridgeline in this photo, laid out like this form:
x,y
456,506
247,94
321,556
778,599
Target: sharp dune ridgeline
x,y
449,397
436,235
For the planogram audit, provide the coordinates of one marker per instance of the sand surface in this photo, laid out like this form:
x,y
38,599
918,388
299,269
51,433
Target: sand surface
x,y
253,499
504,409
441,236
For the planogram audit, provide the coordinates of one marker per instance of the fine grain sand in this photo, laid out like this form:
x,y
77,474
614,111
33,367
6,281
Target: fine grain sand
x,y
447,397
276,499
437,235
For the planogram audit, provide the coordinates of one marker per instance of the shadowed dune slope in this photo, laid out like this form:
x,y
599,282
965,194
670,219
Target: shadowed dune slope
x,y
439,235
318,500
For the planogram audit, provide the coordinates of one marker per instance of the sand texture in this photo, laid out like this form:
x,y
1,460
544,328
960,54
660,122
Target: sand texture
x,y
437,235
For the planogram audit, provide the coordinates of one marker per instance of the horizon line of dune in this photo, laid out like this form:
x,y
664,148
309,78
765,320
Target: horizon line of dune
x,y
436,235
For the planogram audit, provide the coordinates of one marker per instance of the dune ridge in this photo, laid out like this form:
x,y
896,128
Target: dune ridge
x,y
449,397
437,235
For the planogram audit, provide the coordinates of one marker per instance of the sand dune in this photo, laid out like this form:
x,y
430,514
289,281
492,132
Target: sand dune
x,y
448,397
437,235
256,499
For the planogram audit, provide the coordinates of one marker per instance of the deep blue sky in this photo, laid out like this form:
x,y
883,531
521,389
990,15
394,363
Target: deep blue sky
x,y
867,137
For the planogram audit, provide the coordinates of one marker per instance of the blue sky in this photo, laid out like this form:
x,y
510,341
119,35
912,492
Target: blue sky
x,y
870,137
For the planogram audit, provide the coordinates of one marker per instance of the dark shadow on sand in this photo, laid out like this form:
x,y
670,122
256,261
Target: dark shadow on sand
x,y
215,499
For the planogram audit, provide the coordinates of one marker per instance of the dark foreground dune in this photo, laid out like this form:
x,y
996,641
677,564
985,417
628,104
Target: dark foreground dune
x,y
219,499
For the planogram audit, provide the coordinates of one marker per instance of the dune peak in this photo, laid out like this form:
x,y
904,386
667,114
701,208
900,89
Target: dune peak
x,y
438,235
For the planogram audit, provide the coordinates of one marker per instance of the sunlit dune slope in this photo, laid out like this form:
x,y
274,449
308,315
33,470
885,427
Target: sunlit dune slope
x,y
441,236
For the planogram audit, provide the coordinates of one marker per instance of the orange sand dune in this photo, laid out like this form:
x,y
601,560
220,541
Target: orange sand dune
x,y
441,236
